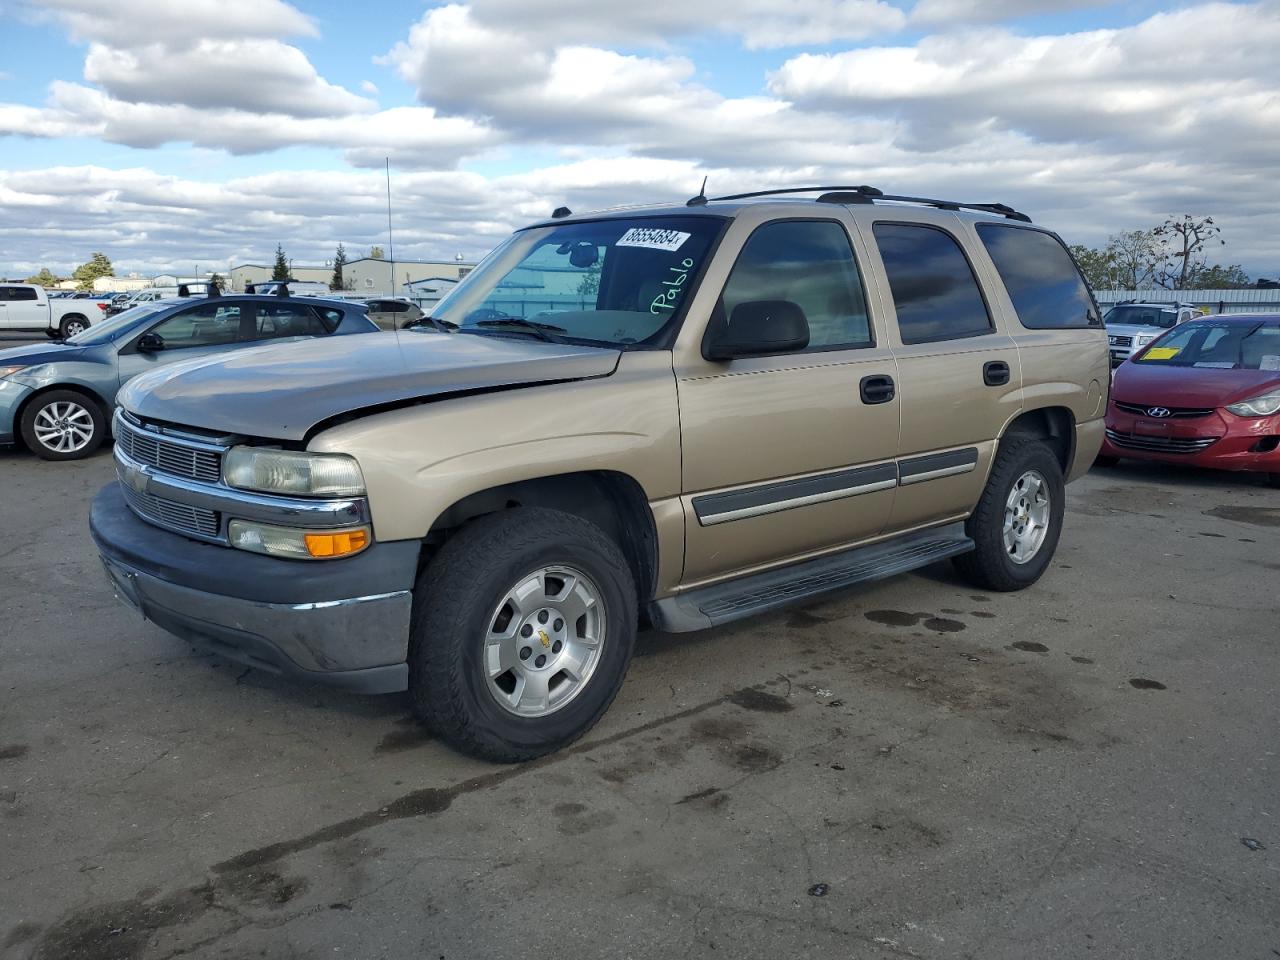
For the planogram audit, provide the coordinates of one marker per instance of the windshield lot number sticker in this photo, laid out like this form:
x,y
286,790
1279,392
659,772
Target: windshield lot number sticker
x,y
653,239
676,276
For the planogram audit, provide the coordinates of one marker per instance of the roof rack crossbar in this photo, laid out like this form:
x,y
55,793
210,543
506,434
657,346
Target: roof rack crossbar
x,y
866,194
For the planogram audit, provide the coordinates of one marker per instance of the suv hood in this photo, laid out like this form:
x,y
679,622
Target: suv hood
x,y
1133,329
285,390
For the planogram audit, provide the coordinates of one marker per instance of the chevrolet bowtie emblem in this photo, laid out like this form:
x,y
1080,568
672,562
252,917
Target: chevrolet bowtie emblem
x,y
546,640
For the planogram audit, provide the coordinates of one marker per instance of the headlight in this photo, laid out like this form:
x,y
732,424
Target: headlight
x,y
296,543
1263,406
10,371
1144,339
294,473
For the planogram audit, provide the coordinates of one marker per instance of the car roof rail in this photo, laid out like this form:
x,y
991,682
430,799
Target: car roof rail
x,y
868,194
184,290
283,289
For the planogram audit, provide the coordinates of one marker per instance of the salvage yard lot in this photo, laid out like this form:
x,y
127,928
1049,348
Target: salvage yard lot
x,y
1065,772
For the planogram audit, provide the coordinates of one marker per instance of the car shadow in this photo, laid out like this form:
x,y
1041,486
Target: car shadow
x,y
1150,471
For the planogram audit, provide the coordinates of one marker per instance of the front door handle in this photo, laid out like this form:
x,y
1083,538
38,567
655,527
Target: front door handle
x,y
995,373
878,388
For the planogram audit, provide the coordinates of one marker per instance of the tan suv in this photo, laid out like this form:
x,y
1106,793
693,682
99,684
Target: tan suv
x,y
678,416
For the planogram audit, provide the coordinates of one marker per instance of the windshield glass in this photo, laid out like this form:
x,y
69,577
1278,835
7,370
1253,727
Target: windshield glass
x,y
111,328
1225,346
615,282
1140,316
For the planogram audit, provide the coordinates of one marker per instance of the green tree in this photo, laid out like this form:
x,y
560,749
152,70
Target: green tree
x,y
1096,265
44,278
1218,277
375,253
86,273
280,271
339,261
1135,258
217,282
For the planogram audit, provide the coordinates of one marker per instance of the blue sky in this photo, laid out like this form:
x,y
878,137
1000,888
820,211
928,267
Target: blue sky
x,y
159,132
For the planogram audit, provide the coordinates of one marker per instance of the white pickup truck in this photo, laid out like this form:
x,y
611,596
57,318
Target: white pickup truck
x,y
25,306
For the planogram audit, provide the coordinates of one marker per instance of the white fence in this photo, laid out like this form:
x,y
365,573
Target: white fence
x,y
1253,300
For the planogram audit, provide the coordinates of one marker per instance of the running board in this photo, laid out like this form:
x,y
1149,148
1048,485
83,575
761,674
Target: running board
x,y
746,596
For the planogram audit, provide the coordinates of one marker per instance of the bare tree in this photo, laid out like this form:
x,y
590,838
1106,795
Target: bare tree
x,y
1182,241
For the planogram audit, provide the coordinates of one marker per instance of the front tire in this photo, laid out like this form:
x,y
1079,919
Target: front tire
x,y
1105,462
1274,479
63,425
1018,520
522,630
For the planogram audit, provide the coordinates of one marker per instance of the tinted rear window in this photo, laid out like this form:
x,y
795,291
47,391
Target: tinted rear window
x,y
934,290
1046,288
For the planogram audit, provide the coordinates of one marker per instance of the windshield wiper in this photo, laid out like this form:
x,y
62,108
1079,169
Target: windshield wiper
x,y
446,326
543,331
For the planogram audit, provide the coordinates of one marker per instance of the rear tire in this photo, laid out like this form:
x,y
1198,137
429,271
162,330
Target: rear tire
x,y
1012,546
72,325
63,425
494,579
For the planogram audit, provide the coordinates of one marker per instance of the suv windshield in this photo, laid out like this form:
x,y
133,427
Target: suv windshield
x,y
1140,316
615,282
1225,346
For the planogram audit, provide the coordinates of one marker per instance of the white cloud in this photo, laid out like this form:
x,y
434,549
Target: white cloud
x,y
134,23
245,74
989,11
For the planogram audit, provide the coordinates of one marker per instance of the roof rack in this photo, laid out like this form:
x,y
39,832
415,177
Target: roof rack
x,y
866,194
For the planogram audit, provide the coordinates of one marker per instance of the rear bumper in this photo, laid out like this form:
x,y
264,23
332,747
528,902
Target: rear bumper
x,y
343,623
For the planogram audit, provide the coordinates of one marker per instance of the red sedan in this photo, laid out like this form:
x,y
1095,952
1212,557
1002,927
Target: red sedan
x,y
1206,393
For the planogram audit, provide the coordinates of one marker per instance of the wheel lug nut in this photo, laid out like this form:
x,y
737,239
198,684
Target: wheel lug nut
x,y
542,617
541,661
555,647
526,631
558,625
525,653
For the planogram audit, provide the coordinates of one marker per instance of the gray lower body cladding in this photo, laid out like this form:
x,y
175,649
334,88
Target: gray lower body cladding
x,y
343,623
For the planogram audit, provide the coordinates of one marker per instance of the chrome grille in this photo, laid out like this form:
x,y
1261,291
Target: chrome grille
x,y
168,455
1134,441
1187,413
1121,341
179,517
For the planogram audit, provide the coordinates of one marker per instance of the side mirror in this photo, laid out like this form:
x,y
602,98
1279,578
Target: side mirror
x,y
150,343
759,327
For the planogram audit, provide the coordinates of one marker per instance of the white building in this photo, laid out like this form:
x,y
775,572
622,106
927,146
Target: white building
x,y
366,276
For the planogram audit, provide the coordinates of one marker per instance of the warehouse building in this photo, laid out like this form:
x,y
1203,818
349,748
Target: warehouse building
x,y
366,276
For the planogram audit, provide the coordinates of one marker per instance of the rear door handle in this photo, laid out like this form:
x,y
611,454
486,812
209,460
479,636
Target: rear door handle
x,y
878,388
995,373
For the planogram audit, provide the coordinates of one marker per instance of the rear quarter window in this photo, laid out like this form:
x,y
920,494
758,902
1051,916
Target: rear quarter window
x,y
1044,285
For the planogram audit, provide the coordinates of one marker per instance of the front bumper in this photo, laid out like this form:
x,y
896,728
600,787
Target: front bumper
x,y
1230,442
11,396
343,623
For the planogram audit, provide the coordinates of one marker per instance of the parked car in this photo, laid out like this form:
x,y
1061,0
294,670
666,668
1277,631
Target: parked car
x,y
295,287
1206,394
26,306
58,397
1132,324
393,313
757,402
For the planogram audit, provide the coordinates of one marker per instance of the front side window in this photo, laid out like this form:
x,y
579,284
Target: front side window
x,y
206,325
288,320
1044,285
933,286
810,263
619,282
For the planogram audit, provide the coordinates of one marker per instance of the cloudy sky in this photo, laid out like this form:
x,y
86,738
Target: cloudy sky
x,y
204,132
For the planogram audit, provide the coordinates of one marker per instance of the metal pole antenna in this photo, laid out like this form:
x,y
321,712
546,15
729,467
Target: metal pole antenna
x,y
391,247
